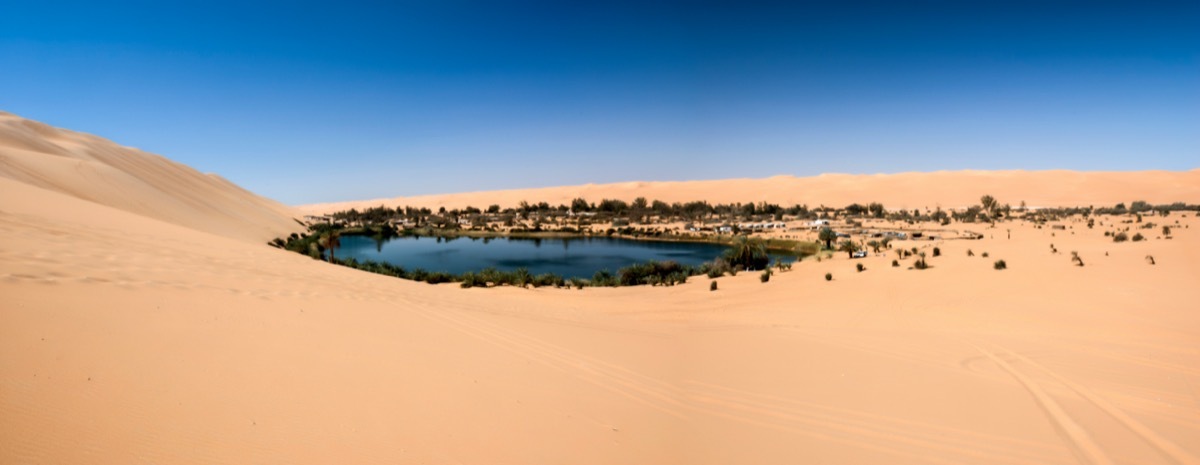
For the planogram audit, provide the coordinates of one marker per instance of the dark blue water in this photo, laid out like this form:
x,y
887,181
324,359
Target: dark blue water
x,y
573,257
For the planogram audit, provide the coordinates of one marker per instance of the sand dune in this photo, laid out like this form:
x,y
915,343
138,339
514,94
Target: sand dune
x,y
100,171
126,337
948,189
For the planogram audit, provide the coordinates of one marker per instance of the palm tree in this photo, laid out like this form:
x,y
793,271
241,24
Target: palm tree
x,y
826,234
331,241
749,252
875,245
849,247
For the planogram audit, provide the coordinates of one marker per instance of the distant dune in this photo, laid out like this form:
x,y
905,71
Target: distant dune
x,y
143,320
948,189
97,170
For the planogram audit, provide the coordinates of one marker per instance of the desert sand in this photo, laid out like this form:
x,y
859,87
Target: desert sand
x,y
144,321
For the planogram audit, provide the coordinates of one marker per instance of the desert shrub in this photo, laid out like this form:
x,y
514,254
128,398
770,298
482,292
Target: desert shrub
x,y
895,263
439,277
716,268
548,279
651,272
469,280
937,252
1000,265
712,285
970,253
765,276
521,277
984,255
578,283
494,276
1120,237
1075,259
1138,237
1150,259
1166,231
604,278
920,264
829,276
859,267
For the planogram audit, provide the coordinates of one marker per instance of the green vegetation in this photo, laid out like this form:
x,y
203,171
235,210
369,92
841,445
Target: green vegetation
x,y
937,252
849,247
859,267
1000,265
829,276
667,273
765,276
920,263
1120,237
827,236
895,263
747,252
1138,237
712,285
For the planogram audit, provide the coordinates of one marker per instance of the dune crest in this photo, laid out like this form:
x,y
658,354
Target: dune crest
x,y
948,189
97,170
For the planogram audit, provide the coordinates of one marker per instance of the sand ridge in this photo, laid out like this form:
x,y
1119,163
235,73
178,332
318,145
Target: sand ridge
x,y
100,171
946,189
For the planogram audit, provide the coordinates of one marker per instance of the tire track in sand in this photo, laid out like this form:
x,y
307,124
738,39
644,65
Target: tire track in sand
x,y
1163,445
882,433
1077,437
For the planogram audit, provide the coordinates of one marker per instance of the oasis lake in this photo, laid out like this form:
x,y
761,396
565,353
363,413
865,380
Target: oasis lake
x,y
567,257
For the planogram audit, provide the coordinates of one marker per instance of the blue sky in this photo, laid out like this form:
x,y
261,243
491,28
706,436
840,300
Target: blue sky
x,y
326,101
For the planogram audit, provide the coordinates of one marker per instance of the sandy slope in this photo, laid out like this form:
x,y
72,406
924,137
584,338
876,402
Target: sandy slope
x,y
98,170
129,339
949,189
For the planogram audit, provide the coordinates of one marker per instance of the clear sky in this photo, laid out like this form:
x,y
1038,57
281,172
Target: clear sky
x,y
339,100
